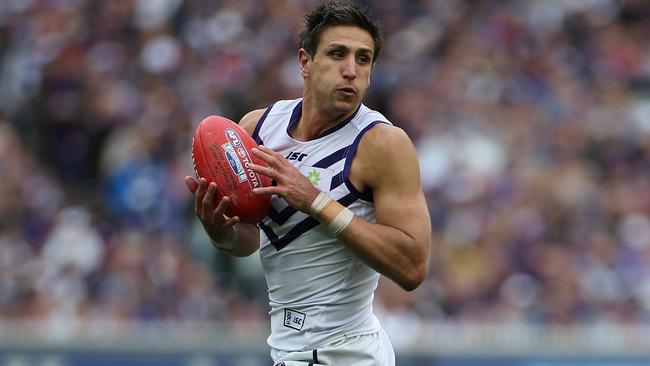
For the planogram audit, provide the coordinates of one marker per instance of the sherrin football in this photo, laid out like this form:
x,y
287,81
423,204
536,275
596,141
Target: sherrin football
x,y
220,151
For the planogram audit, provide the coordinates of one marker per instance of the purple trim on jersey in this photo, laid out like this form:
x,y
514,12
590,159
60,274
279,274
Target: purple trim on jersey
x,y
301,227
256,132
315,356
282,216
337,180
297,112
367,194
332,159
268,231
295,116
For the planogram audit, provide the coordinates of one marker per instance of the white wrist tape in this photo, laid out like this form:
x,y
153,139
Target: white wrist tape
x,y
341,221
319,204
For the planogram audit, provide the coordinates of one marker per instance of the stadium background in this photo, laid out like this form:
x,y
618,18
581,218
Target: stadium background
x,y
532,124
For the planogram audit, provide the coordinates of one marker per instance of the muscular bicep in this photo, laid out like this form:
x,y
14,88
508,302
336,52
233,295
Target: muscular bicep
x,y
392,171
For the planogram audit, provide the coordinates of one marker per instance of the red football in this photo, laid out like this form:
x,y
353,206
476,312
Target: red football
x,y
220,151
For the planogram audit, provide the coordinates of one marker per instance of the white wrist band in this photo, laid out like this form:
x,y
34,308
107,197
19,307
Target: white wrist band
x,y
319,204
341,221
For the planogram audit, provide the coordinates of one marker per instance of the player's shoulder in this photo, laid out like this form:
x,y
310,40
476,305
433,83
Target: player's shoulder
x,y
384,137
366,118
251,119
385,150
379,137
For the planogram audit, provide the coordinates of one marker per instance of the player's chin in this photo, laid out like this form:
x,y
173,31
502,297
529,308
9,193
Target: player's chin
x,y
346,104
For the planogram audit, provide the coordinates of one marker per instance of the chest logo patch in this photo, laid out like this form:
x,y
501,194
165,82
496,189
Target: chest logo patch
x,y
321,178
314,177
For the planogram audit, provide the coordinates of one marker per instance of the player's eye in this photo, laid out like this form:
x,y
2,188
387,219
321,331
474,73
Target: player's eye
x,y
337,54
363,60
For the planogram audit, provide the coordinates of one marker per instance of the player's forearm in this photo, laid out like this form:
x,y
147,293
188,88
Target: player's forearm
x,y
243,242
389,250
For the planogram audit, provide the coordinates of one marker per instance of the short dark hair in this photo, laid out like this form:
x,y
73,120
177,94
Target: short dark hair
x,y
333,13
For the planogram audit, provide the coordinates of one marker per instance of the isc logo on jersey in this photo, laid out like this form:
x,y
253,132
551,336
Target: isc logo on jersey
x,y
238,158
294,319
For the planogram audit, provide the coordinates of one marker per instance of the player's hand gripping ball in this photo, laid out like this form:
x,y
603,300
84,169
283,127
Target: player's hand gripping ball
x,y
220,151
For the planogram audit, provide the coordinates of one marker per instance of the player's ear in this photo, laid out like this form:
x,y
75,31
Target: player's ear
x,y
303,59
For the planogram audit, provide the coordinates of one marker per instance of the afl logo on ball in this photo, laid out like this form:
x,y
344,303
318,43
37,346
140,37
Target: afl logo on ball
x,y
235,164
233,137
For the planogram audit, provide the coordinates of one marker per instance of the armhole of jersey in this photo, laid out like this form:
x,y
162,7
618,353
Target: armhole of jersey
x,y
352,151
256,132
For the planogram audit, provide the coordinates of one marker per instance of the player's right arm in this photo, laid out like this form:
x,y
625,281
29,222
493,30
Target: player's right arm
x,y
226,233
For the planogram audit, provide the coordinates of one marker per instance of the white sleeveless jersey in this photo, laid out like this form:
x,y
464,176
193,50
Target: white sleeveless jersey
x,y
318,289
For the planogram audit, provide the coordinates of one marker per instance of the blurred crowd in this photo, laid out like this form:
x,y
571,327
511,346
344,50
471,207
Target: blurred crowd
x,y
531,120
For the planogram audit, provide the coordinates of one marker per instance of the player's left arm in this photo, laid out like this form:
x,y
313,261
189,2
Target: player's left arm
x,y
398,244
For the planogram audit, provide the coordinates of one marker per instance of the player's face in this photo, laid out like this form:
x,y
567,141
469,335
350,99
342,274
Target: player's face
x,y
338,74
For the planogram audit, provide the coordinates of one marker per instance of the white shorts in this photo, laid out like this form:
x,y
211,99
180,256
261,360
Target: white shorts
x,y
359,350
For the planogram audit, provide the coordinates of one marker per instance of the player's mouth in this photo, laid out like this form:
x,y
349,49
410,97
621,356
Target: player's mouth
x,y
347,91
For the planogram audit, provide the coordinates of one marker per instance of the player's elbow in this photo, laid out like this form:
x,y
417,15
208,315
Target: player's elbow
x,y
414,278
417,270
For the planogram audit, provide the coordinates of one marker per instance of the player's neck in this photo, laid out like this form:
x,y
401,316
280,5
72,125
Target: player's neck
x,y
315,122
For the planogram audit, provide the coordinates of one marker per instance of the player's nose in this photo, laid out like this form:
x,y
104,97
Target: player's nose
x,y
349,68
